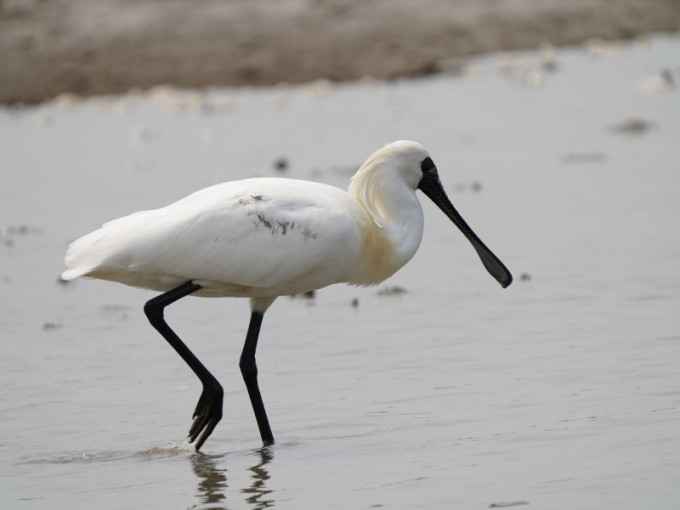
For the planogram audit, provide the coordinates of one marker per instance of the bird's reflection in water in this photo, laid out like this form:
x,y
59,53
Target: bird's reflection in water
x,y
257,494
212,481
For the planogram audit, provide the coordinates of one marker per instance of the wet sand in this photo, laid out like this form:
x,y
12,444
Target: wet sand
x,y
112,46
559,392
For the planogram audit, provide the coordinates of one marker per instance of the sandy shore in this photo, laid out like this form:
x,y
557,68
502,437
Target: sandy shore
x,y
111,46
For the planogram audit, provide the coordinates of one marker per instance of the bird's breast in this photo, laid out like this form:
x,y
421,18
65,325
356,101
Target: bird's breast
x,y
378,257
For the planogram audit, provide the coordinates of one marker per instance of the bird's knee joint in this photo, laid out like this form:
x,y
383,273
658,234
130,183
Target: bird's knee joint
x,y
152,311
248,368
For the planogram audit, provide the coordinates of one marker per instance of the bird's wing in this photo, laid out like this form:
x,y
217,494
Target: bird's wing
x,y
257,233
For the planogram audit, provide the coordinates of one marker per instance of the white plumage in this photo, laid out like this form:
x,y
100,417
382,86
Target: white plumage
x,y
255,237
266,237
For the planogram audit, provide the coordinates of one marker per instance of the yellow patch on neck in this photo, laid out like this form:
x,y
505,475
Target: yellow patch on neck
x,y
377,256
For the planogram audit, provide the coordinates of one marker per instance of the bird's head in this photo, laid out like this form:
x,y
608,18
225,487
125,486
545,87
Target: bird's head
x,y
411,161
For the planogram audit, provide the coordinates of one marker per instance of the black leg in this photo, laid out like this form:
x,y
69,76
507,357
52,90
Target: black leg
x,y
249,371
209,409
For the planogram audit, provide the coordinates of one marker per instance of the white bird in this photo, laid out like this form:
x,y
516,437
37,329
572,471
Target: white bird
x,y
262,238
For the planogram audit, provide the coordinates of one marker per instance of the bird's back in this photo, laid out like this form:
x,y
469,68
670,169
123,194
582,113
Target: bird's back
x,y
255,237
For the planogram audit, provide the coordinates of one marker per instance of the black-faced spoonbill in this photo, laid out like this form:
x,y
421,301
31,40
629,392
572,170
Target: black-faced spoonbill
x,y
268,237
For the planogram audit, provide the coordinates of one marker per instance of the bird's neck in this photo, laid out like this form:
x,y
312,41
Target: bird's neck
x,y
401,217
394,231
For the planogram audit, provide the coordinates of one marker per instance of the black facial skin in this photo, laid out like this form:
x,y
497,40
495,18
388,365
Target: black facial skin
x,y
428,166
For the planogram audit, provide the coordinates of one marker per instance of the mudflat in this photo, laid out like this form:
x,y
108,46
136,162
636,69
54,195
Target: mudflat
x,y
112,46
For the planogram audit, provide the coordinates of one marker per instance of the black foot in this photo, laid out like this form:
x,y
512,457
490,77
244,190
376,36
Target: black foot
x,y
207,415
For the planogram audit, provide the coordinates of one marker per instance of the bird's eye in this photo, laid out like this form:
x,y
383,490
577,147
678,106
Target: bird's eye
x,y
427,165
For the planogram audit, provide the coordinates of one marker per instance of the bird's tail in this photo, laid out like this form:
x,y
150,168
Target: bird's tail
x,y
84,255
108,250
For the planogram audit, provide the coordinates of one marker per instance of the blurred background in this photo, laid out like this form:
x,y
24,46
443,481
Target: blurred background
x,y
110,46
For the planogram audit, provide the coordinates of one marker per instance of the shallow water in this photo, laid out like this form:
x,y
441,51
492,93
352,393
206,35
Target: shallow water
x,y
558,392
